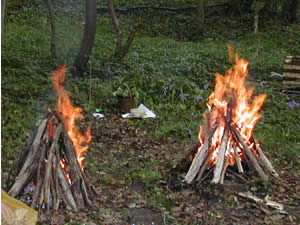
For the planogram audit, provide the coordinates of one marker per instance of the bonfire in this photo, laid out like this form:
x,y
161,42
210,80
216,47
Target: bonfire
x,y
53,159
227,138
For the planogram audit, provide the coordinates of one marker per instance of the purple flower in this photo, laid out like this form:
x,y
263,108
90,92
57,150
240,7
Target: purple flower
x,y
206,86
170,80
165,91
190,133
141,67
199,98
293,104
183,96
189,68
135,54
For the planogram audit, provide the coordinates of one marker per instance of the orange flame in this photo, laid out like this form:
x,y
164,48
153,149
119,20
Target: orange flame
x,y
230,101
69,115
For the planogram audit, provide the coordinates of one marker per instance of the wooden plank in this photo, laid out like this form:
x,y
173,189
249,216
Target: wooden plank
x,y
291,67
295,83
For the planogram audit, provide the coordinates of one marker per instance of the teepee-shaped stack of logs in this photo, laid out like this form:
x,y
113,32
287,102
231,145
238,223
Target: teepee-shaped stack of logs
x,y
227,139
53,158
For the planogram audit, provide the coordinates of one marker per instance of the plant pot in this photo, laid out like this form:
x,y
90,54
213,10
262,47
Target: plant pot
x,y
126,103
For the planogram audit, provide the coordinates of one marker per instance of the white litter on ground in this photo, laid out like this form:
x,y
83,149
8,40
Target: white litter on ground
x,y
141,112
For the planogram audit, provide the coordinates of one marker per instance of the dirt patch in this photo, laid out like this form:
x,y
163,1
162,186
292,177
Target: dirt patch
x,y
145,216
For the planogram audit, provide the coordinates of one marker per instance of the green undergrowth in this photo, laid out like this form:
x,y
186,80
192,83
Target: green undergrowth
x,y
173,78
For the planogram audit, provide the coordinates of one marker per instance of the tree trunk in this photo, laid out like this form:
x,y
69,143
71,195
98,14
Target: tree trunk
x,y
257,8
3,5
289,11
201,13
87,40
240,6
121,50
52,24
116,24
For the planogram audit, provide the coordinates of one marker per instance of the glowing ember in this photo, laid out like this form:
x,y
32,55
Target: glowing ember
x,y
229,106
62,163
69,115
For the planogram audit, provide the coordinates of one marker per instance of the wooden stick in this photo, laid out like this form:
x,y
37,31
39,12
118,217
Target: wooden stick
x,y
39,179
238,161
267,163
224,170
85,194
34,146
57,189
267,202
74,171
198,160
58,193
53,190
249,153
65,186
238,175
26,170
207,174
50,163
203,168
221,155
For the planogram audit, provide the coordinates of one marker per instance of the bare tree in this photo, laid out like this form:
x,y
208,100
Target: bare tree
x,y
201,12
289,10
82,58
52,24
239,6
120,50
3,5
258,6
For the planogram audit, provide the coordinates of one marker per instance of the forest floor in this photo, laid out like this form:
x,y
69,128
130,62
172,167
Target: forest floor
x,y
138,184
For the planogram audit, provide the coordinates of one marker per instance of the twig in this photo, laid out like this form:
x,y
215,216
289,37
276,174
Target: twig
x,y
267,202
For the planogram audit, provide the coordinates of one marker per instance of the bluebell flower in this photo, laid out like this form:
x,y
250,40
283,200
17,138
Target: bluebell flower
x,y
135,54
170,80
190,133
189,68
199,98
206,86
183,96
141,67
293,104
165,91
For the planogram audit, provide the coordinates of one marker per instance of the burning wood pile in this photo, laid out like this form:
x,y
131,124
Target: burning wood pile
x,y
227,137
53,160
